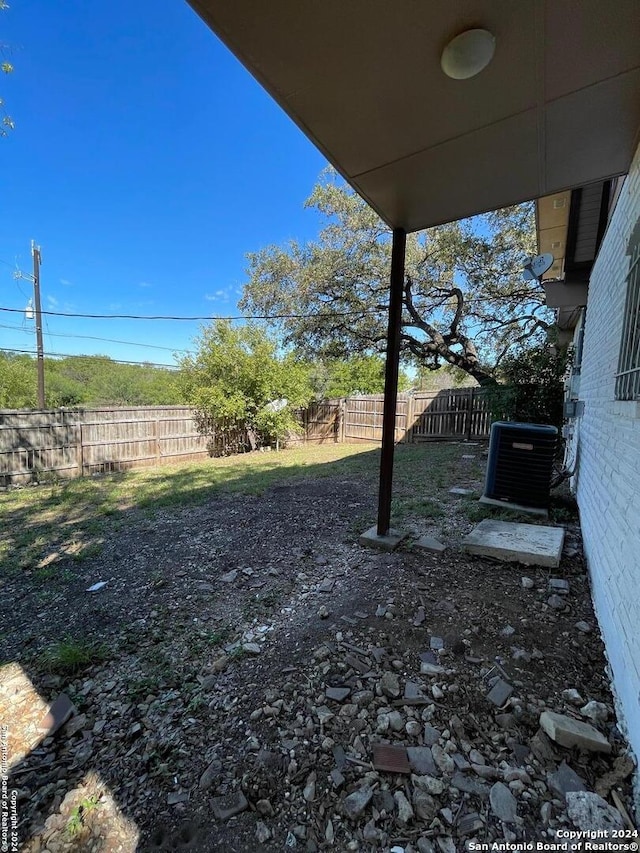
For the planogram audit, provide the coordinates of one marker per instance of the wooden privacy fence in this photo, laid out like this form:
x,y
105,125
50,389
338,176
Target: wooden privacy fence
x,y
88,441
75,443
453,413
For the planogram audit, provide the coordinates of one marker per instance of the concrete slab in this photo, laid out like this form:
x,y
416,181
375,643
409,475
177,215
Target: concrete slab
x,y
530,510
370,539
513,542
428,543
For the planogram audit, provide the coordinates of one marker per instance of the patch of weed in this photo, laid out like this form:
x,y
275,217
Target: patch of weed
x,y
76,822
70,656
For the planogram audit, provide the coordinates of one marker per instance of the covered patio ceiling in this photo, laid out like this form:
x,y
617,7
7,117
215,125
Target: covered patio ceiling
x,y
558,107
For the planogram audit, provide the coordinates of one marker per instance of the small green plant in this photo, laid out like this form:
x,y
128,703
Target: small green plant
x,y
70,656
76,822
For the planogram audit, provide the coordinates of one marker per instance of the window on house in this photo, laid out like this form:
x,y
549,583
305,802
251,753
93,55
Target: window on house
x,y
628,375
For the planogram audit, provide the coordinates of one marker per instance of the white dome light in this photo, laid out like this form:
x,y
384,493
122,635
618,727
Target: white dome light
x,y
468,53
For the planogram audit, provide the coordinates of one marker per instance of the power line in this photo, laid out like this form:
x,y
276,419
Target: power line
x,y
203,317
75,355
94,338
354,312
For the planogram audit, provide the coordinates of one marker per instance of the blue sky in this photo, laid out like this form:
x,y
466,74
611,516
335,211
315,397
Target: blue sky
x,y
145,162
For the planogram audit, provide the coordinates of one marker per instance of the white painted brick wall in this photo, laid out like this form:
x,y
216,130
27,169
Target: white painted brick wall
x,y
608,477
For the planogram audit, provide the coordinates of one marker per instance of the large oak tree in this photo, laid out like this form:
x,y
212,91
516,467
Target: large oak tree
x,y
465,300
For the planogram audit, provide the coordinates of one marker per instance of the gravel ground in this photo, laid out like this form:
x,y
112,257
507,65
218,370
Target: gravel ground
x,y
246,656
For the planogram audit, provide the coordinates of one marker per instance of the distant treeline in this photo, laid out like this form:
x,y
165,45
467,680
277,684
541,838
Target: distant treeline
x,y
85,380
97,380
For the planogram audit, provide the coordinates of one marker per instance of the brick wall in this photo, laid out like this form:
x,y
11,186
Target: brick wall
x,y
608,475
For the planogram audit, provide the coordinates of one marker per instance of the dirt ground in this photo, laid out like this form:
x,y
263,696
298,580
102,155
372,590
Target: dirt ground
x,y
201,716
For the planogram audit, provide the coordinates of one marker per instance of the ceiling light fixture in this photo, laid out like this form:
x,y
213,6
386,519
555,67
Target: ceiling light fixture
x,y
468,54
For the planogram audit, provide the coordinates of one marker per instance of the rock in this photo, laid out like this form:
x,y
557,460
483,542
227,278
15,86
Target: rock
x,y
229,577
437,693
546,813
370,832
588,811
263,833
500,692
572,696
251,648
229,805
428,543
507,631
443,760
503,803
383,801
569,732
390,685
427,668
396,721
357,802
476,757
596,711
337,778
382,724
328,833
75,725
542,747
323,612
265,808
446,844
309,792
584,627
431,735
559,585
427,783
623,766
425,846
405,812
527,583
436,643
469,786
469,824
413,728
564,780
424,805
421,760
209,776
556,602
412,690
337,693
177,797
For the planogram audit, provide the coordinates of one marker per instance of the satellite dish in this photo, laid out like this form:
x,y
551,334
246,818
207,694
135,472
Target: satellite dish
x,y
536,267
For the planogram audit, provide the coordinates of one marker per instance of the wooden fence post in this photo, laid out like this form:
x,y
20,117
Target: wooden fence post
x,y
80,452
469,413
156,435
343,420
409,430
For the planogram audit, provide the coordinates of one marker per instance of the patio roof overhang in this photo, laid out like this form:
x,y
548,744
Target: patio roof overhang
x,y
558,107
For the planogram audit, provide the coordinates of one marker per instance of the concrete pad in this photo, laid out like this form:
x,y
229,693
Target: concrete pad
x,y
513,542
370,539
531,510
428,543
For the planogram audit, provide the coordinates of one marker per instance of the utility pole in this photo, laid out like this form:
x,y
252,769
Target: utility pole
x,y
35,252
